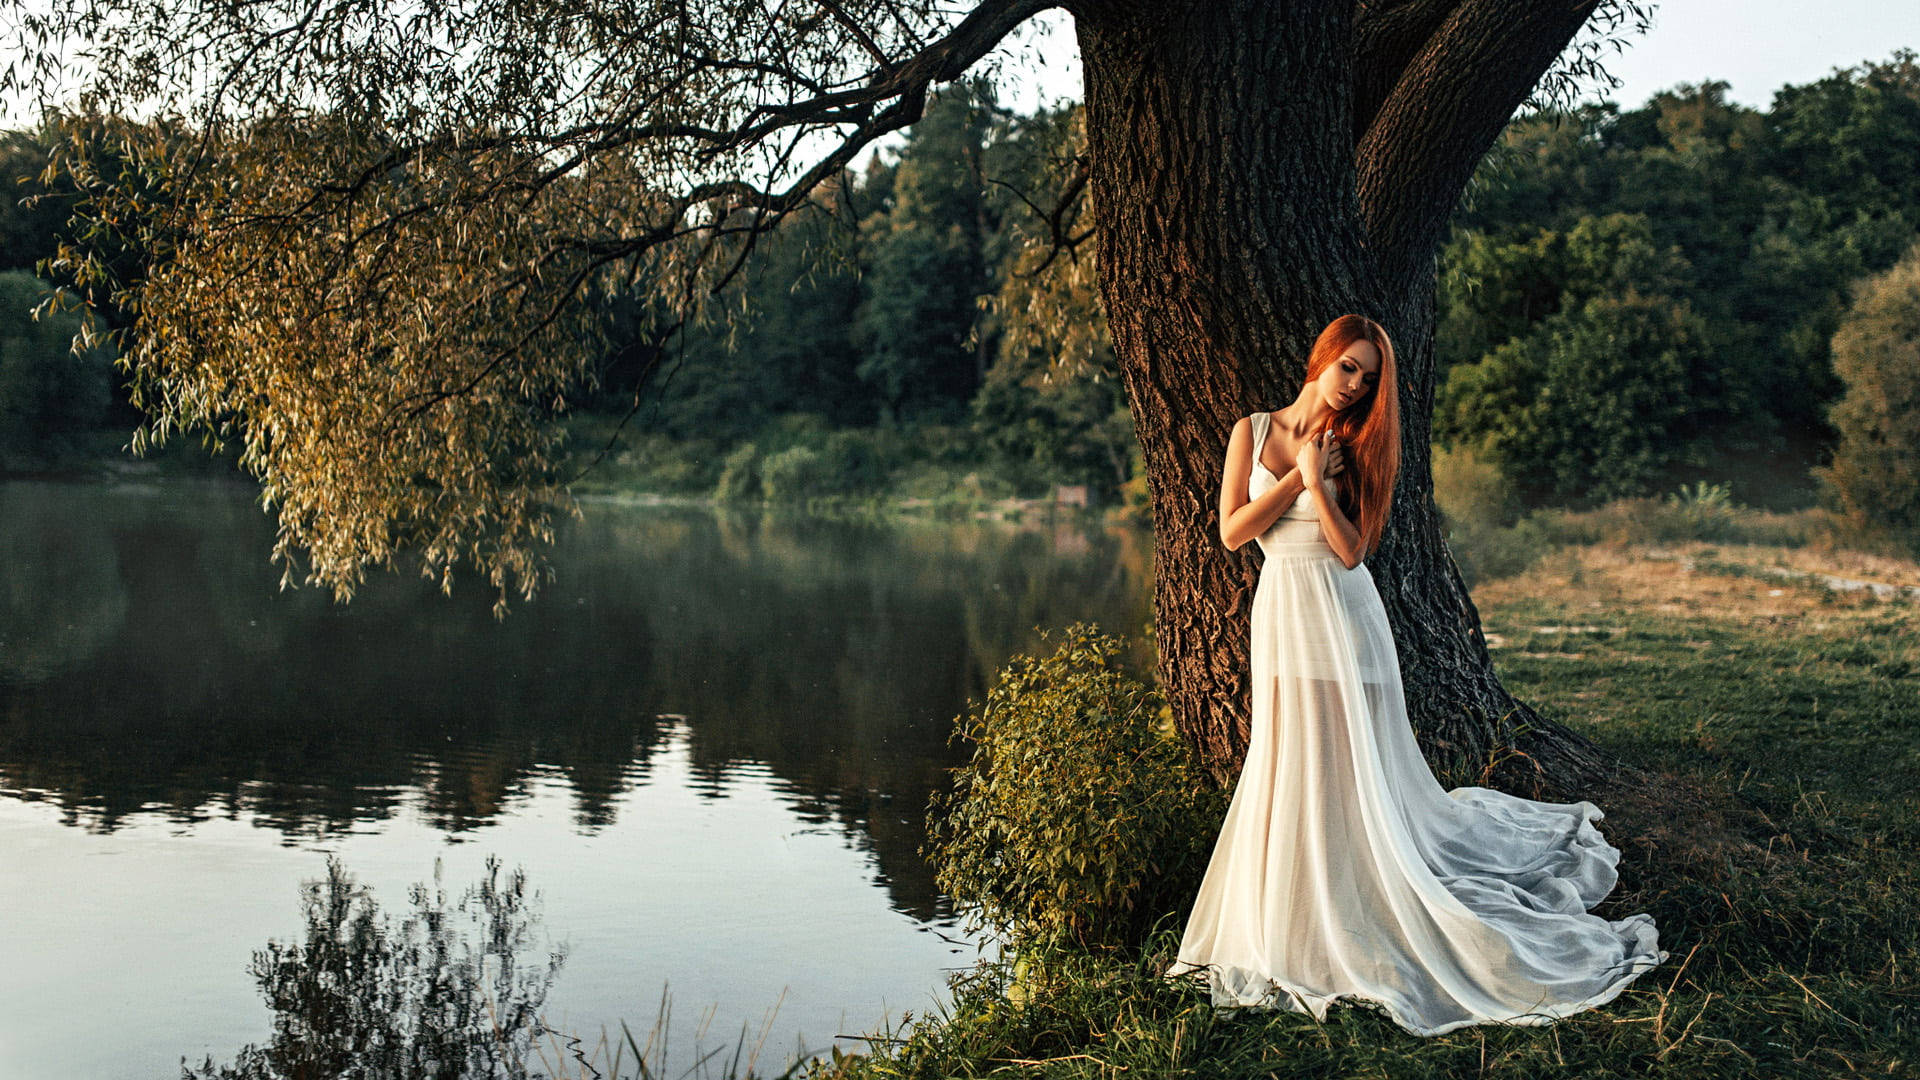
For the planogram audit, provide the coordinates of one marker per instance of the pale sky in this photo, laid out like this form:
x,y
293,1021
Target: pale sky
x,y
1755,46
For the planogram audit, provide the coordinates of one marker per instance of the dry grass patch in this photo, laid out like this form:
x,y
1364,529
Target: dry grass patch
x,y
1716,581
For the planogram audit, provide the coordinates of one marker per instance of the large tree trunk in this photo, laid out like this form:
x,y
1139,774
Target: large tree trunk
x,y
1236,174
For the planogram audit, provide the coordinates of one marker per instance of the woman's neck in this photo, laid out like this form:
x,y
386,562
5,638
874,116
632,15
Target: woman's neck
x,y
1307,414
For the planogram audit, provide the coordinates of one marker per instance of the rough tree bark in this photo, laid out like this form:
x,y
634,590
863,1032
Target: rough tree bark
x,y
1257,169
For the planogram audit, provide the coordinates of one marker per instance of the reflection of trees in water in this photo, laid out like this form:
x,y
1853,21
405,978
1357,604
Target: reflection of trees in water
x,y
446,991
443,992
835,653
61,601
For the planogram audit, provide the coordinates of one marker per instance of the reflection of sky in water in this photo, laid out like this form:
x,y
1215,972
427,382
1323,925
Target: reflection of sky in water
x,y
170,915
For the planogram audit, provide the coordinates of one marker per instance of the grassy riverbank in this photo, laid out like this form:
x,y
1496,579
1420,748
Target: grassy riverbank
x,y
1778,720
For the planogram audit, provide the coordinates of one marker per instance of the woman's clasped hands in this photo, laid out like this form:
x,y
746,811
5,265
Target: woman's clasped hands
x,y
1320,457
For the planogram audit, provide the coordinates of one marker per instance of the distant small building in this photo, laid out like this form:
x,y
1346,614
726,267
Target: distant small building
x,y
1070,495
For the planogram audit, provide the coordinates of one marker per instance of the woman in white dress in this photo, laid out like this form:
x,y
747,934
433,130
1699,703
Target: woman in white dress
x,y
1343,869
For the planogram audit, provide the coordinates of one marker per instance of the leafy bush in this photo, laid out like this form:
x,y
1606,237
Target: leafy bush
x,y
609,455
674,475
1045,425
803,458
1601,402
947,444
1479,507
860,460
740,475
1875,474
795,473
1470,489
1487,552
956,485
794,429
1082,817
1702,512
1705,511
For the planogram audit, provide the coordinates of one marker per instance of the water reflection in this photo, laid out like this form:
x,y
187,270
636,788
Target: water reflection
x,y
149,666
448,990
711,741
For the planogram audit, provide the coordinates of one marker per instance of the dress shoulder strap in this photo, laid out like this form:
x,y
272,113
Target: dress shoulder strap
x,y
1262,424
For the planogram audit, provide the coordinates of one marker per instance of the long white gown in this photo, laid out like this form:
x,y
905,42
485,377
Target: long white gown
x,y
1344,870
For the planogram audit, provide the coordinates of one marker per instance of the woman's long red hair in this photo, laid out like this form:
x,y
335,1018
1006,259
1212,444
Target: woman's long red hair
x,y
1368,429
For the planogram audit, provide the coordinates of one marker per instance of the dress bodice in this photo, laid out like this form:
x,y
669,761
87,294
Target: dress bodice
x,y
1300,522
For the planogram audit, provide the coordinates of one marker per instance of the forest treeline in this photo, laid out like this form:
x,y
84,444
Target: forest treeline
x,y
1630,300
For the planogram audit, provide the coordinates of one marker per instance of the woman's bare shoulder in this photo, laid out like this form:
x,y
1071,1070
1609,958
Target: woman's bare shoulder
x,y
1240,438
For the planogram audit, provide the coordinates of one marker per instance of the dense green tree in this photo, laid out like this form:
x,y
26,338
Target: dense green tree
x,y
1494,290
49,389
916,326
1853,137
46,230
1547,169
788,349
1048,426
1875,473
1052,407
1615,397
30,227
1698,181
1590,379
1761,219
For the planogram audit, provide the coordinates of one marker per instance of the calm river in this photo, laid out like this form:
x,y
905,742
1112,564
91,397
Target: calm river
x,y
709,745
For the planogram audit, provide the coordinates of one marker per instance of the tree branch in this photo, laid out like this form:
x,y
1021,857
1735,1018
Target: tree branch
x,y
943,61
1060,236
1387,35
1447,108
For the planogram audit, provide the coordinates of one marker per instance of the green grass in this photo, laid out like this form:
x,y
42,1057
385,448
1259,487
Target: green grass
x,y
1772,835
1822,700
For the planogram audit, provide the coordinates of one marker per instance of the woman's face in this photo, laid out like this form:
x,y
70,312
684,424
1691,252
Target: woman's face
x,y
1348,380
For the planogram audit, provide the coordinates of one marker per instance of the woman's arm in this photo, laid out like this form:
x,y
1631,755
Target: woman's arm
x,y
1341,533
1242,519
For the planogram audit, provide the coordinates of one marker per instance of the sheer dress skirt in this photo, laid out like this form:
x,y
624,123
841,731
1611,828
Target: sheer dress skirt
x,y
1344,870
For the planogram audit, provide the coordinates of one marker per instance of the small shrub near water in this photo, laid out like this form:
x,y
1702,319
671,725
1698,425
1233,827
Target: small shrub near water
x,y
1082,817
839,463
862,460
794,473
611,457
739,475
